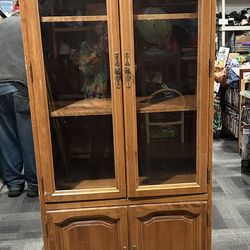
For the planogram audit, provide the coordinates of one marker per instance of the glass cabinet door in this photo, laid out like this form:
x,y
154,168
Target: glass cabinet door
x,y
166,91
81,78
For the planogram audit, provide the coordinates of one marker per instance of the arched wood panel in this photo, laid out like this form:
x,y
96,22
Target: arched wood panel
x,y
168,226
88,229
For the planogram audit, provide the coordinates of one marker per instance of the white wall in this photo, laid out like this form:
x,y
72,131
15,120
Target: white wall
x,y
233,5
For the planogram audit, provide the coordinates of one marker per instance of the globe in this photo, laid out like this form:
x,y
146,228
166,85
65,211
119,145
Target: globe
x,y
154,31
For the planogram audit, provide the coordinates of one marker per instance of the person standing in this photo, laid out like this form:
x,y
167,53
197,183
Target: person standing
x,y
16,140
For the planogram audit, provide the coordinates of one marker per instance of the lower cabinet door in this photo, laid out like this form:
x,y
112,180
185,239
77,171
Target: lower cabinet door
x,y
172,226
87,229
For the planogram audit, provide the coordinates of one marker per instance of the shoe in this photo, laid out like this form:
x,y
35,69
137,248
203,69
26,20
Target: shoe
x,y
15,192
32,192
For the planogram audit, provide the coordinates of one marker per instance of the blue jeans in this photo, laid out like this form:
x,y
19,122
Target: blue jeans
x,y
16,140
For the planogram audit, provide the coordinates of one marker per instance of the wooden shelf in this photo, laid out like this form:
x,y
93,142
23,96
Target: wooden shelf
x,y
245,93
235,28
86,184
162,178
174,16
70,29
176,4
59,19
168,179
82,107
174,104
148,17
104,106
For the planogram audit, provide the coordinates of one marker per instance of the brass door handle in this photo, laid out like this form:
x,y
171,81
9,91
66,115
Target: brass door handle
x,y
134,247
127,70
117,70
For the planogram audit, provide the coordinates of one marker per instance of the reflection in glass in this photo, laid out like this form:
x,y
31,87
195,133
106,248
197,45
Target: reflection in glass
x,y
77,75
168,6
167,148
76,60
72,7
83,152
166,76
168,58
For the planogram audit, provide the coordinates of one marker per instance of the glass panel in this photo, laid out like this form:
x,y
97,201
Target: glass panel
x,y
79,93
166,55
83,152
167,147
76,61
166,87
165,6
72,8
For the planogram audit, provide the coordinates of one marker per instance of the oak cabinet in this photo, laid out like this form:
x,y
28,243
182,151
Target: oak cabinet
x,y
90,229
121,103
168,226
148,226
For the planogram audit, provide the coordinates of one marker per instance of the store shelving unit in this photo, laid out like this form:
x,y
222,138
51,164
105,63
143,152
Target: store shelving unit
x,y
244,95
224,24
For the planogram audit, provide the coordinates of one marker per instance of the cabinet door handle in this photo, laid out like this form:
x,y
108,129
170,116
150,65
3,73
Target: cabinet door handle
x,y
117,70
134,247
127,70
124,248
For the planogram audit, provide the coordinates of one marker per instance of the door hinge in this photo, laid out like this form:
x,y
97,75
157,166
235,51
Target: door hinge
x,y
31,73
42,184
208,176
210,67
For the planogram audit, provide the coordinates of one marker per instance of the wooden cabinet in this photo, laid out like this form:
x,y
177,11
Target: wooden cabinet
x,y
90,229
168,226
121,103
149,227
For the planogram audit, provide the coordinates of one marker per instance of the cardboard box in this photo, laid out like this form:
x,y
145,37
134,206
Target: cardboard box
x,y
242,39
239,40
